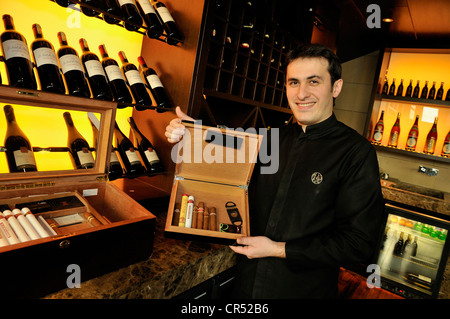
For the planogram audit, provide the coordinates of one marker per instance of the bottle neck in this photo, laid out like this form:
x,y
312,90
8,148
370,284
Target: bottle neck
x,y
84,46
37,30
103,52
8,22
62,39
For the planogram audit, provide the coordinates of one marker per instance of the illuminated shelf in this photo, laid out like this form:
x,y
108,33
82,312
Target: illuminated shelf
x,y
411,100
393,150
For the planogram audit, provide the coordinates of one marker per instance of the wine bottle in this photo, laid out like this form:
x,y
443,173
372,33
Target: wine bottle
x,y
378,131
131,14
80,153
115,170
424,93
72,69
95,74
19,152
414,247
64,3
127,152
174,35
413,135
19,68
135,81
398,248
447,96
432,93
146,149
446,146
440,92
385,88
148,13
407,247
392,87
430,143
395,132
409,89
154,84
113,9
88,11
400,89
46,62
416,90
116,81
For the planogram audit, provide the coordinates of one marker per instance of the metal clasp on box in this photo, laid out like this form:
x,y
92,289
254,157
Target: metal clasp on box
x,y
428,170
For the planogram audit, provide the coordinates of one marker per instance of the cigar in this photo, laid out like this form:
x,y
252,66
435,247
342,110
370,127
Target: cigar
x,y
183,210
194,217
212,219
206,219
33,221
201,209
176,215
7,231
23,221
189,212
15,225
91,219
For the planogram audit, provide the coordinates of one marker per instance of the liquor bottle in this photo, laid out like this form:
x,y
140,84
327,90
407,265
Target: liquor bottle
x,y
400,89
127,152
136,83
113,9
414,247
19,152
447,96
407,247
398,248
19,68
440,92
432,93
116,81
378,131
430,143
154,84
80,154
95,74
146,149
64,3
413,135
88,11
130,14
170,27
424,93
148,13
409,89
446,147
115,170
416,90
385,88
395,132
46,62
392,87
72,69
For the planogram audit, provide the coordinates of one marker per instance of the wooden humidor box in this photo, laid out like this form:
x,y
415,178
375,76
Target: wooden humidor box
x,y
214,166
110,229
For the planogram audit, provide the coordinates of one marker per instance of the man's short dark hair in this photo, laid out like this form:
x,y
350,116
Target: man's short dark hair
x,y
318,51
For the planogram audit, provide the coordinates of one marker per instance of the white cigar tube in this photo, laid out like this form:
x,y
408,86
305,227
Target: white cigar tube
x,y
189,212
46,226
20,232
25,224
8,231
3,240
34,222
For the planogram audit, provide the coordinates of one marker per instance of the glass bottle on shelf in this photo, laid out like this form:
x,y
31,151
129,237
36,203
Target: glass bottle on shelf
x,y
111,7
378,130
413,135
128,153
392,87
409,89
79,150
446,147
440,92
395,132
430,144
385,88
398,248
170,26
424,93
148,13
447,96
133,20
88,11
416,90
432,93
400,89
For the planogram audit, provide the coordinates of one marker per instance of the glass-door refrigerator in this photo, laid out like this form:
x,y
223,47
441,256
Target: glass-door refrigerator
x,y
413,251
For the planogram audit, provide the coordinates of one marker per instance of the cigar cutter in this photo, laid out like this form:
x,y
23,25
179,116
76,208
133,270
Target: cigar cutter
x,y
233,213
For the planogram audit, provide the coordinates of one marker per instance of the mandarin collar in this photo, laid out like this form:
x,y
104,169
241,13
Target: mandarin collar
x,y
319,129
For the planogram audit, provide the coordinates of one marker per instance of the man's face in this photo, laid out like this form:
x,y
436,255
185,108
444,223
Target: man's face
x,y
309,91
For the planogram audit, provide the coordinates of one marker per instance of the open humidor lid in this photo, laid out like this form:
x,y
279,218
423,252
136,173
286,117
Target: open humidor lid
x,y
223,156
57,103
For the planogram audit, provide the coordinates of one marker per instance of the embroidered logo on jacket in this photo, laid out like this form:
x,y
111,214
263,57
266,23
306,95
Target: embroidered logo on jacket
x,y
316,178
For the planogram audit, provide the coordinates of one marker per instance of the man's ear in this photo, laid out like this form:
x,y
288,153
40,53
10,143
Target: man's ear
x,y
337,87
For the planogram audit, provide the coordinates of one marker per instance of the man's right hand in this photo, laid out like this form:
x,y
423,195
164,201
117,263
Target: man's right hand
x,y
175,130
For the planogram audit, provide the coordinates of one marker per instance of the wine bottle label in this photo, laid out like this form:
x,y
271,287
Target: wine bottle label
x,y
132,156
44,56
133,77
114,159
146,7
15,49
431,144
377,136
113,72
165,14
24,158
151,155
394,138
154,81
70,62
85,157
411,142
124,2
446,149
94,67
